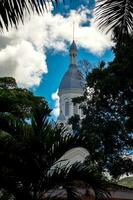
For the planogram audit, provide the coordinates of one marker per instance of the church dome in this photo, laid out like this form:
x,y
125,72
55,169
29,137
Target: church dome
x,y
72,79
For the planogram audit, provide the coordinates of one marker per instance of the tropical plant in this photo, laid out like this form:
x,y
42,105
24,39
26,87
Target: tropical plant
x,y
28,152
77,177
75,122
108,108
122,166
13,11
17,103
28,156
115,14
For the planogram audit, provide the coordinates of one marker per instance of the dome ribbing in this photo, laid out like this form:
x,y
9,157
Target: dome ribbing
x,y
71,80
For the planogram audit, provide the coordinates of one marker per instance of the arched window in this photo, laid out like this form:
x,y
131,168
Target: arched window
x,y
67,108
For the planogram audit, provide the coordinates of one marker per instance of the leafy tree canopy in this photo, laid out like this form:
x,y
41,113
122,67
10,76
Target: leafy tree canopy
x,y
29,151
115,15
108,107
17,103
12,11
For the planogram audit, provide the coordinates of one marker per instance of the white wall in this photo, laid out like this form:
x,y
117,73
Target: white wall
x,y
67,97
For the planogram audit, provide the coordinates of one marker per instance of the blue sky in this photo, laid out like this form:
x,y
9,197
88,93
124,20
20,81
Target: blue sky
x,y
58,62
37,53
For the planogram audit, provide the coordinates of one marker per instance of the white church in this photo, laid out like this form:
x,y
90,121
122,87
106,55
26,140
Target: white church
x,y
71,86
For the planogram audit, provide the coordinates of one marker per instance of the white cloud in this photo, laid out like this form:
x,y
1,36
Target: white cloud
x,y
22,51
56,109
23,62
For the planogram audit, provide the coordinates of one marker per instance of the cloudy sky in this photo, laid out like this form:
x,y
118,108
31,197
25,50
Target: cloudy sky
x,y
37,54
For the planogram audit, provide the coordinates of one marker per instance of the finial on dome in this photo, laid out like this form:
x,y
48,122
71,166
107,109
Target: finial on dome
x,y
73,29
73,53
73,49
73,46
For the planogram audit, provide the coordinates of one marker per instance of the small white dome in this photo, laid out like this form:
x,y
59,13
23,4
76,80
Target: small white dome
x,y
72,79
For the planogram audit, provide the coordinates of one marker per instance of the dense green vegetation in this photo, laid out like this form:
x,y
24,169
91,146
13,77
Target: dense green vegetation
x,y
110,14
30,145
107,105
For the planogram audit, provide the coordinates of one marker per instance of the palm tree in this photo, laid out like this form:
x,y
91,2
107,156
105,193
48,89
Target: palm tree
x,y
77,180
27,154
115,14
110,14
29,151
12,11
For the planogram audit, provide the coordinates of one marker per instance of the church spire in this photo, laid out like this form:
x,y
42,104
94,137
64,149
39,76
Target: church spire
x,y
73,53
73,29
73,50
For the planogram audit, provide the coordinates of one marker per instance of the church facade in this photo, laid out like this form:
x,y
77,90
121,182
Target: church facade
x,y
71,86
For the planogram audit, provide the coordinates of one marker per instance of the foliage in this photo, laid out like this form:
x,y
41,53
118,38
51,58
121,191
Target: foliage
x,y
84,67
7,83
75,122
4,195
72,178
114,14
17,103
110,14
26,160
29,150
122,166
108,107
13,11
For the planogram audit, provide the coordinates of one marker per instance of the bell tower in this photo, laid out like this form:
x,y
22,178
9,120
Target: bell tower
x,y
71,86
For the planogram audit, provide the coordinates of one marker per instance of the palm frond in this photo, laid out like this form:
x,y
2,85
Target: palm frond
x,y
12,11
75,177
112,14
